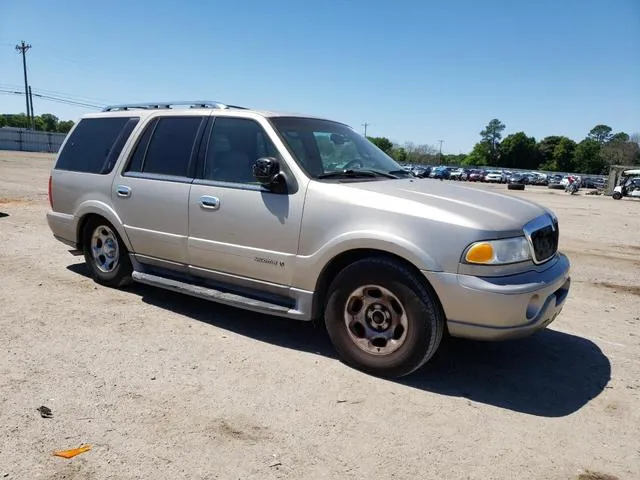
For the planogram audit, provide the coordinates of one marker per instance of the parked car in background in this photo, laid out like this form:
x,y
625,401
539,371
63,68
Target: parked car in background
x,y
519,178
593,182
440,172
540,178
495,176
476,175
421,171
459,174
532,178
555,182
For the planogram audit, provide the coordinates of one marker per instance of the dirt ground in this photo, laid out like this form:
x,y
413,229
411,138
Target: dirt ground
x,y
166,386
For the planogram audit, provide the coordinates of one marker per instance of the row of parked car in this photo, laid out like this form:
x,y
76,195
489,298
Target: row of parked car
x,y
502,176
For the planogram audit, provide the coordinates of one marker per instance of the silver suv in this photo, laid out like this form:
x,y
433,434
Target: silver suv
x,y
304,218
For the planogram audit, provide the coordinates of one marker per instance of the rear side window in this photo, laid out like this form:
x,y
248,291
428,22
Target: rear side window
x,y
95,144
166,146
135,164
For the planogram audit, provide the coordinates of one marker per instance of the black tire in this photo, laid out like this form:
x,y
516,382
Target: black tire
x,y
616,195
120,274
425,319
515,186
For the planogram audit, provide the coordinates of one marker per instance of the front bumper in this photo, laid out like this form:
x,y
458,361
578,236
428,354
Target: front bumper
x,y
501,308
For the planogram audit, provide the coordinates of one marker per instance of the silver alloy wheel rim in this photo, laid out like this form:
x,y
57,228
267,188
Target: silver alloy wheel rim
x,y
376,320
105,249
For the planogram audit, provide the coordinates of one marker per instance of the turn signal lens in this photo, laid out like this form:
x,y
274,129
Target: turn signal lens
x,y
480,253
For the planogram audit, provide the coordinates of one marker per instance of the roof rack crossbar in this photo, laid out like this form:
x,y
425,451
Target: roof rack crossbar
x,y
169,105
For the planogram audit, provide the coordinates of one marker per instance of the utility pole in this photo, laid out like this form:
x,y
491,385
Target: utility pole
x,y
365,125
440,153
23,48
33,115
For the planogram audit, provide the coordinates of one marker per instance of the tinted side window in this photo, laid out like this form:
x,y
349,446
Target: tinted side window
x,y
234,146
95,144
135,163
112,158
169,150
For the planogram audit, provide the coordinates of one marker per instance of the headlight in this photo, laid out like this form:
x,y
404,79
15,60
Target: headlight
x,y
498,252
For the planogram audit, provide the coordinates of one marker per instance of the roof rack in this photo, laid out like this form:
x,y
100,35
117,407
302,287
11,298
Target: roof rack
x,y
170,105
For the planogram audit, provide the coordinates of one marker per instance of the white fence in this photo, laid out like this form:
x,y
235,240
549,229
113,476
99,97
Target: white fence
x,y
24,140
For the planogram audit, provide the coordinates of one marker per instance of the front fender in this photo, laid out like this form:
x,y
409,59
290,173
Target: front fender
x,y
96,207
309,268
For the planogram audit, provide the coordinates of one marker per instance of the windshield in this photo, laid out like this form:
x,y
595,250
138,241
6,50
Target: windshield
x,y
324,149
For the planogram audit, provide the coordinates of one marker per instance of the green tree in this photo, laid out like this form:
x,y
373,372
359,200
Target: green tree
x,y
588,158
399,154
39,124
383,143
620,137
50,122
600,133
564,155
491,135
557,154
519,151
479,156
3,121
546,147
18,120
65,126
452,159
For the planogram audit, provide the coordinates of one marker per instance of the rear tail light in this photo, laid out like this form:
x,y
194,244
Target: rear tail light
x,y
49,193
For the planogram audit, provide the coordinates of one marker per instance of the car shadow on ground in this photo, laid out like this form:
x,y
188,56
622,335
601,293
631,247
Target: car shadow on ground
x,y
550,374
2,214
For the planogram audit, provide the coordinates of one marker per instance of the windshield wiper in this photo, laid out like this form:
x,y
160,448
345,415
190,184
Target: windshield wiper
x,y
349,173
400,172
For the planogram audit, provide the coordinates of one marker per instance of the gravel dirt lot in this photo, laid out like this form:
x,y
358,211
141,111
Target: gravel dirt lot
x,y
166,386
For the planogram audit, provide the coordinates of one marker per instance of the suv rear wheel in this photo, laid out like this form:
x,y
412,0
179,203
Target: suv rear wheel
x,y
382,319
105,254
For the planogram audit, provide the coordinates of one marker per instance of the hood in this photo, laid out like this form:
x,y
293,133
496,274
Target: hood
x,y
483,209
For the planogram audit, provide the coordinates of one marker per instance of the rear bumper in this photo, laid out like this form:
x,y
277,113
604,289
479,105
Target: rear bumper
x,y
501,308
63,227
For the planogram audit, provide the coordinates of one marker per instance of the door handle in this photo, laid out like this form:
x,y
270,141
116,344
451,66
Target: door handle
x,y
209,202
123,191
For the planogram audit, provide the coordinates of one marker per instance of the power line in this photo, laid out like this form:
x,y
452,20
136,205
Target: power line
x,y
67,96
54,99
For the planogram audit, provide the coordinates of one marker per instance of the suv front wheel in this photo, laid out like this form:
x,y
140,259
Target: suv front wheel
x,y
382,319
105,254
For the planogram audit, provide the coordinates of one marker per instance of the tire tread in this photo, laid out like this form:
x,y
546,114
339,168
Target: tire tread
x,y
423,291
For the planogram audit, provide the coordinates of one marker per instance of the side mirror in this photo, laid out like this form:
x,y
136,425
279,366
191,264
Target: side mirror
x,y
267,172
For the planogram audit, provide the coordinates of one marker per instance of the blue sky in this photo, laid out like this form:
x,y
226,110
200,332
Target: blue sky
x,y
415,70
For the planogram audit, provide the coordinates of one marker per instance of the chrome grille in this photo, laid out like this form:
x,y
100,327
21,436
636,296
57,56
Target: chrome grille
x,y
543,235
